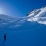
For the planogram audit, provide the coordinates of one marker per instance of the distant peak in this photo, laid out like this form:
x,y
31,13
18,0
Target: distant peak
x,y
36,11
37,15
44,6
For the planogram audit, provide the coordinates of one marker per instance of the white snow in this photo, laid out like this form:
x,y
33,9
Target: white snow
x,y
38,17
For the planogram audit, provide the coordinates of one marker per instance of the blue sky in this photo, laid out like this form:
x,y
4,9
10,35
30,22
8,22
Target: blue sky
x,y
19,8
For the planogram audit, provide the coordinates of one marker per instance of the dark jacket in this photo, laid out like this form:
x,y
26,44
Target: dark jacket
x,y
4,37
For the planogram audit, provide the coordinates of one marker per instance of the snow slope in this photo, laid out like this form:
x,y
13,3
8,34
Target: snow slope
x,y
25,31
33,19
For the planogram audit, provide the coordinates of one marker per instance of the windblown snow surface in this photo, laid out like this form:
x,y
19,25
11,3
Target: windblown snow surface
x,y
26,31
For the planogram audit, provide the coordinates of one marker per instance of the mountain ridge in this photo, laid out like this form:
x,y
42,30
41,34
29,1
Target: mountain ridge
x,y
32,20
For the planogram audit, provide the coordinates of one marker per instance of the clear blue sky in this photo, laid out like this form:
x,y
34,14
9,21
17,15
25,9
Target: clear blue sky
x,y
20,8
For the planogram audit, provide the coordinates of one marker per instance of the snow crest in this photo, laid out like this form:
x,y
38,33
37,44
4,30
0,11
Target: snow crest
x,y
38,15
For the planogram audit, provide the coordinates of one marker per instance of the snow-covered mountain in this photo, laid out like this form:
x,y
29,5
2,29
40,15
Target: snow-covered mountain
x,y
32,20
37,15
6,20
